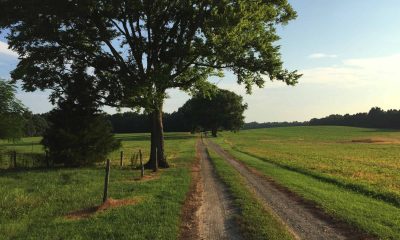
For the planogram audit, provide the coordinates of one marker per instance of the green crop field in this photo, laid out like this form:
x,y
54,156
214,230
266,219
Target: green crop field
x,y
353,173
34,203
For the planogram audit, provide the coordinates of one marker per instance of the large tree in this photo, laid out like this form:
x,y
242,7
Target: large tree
x,y
222,110
11,112
140,48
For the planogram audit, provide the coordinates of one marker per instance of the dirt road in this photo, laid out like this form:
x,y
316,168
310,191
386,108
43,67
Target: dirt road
x,y
305,220
216,211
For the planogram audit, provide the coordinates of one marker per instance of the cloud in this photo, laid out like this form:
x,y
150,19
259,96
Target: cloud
x,y
351,86
322,55
6,51
357,72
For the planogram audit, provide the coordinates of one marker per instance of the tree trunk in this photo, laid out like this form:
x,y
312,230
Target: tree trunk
x,y
157,141
214,132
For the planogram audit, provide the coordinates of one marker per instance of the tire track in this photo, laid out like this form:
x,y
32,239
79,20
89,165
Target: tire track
x,y
302,217
216,218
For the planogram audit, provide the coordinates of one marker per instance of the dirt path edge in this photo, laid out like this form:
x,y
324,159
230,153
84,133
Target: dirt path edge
x,y
190,226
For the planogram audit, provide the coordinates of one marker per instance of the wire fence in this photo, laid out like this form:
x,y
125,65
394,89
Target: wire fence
x,y
14,159
18,160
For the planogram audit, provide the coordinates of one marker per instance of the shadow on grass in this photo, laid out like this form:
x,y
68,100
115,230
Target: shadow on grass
x,y
20,170
380,130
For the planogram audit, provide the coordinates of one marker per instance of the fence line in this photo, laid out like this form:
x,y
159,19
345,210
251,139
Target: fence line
x,y
13,159
40,160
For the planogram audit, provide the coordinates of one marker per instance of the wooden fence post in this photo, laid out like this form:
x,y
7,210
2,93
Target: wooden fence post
x,y
141,164
106,181
122,157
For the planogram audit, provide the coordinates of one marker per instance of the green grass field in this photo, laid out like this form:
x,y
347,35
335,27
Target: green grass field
x,y
34,203
131,143
352,173
24,145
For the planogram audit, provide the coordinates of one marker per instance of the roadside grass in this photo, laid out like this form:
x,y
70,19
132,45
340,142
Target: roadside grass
x,y
255,221
341,155
34,203
370,215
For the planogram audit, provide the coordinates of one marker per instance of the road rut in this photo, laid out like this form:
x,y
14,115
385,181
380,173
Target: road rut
x,y
216,212
305,220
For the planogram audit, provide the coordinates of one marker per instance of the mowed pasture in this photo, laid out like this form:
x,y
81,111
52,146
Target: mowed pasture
x,y
352,173
368,159
57,203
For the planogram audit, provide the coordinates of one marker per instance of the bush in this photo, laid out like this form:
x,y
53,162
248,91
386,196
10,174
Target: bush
x,y
76,140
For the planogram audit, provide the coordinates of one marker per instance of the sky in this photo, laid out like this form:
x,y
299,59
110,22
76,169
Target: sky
x,y
347,50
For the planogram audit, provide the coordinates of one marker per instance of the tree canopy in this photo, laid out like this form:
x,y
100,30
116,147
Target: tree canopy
x,y
138,49
11,112
223,110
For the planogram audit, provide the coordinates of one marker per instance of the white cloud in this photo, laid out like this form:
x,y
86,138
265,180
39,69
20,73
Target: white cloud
x,y
357,72
350,86
322,55
6,51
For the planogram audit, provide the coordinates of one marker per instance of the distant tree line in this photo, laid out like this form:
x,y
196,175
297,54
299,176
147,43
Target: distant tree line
x,y
375,118
255,125
34,124
133,122
221,110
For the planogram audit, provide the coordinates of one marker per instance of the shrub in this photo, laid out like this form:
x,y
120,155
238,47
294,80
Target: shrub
x,y
75,138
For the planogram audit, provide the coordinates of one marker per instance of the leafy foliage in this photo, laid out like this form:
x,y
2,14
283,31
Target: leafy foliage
x,y
78,132
139,49
224,110
11,112
132,122
35,124
142,48
76,139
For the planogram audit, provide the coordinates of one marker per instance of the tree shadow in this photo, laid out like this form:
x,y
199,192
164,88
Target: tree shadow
x,y
381,130
15,172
